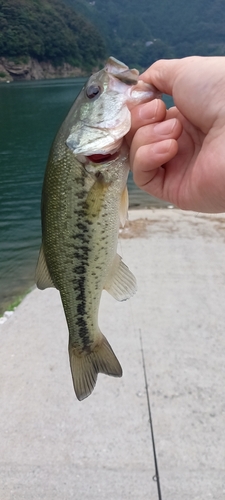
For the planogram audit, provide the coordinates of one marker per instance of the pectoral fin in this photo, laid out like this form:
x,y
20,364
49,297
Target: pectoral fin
x,y
42,276
124,204
121,283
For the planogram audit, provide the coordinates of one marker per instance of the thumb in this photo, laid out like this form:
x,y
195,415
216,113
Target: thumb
x,y
162,75
196,85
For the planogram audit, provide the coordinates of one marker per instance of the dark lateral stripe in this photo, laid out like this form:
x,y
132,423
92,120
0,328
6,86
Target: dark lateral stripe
x,y
87,211
82,248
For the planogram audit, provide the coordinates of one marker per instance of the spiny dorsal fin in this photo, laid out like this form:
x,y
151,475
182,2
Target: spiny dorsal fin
x,y
121,283
42,276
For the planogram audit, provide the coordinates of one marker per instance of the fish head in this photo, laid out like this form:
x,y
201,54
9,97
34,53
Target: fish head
x,y
100,116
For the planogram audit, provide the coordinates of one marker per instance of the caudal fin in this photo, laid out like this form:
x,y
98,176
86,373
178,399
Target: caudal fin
x,y
85,368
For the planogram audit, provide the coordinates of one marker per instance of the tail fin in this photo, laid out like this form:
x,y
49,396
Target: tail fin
x,y
85,368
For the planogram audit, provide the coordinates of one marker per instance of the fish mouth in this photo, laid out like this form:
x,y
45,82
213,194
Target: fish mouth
x,y
107,154
102,158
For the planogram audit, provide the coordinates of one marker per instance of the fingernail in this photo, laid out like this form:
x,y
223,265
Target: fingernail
x,y
149,110
166,127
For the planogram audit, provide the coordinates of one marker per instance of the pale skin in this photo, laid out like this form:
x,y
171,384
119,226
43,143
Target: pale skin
x,y
178,155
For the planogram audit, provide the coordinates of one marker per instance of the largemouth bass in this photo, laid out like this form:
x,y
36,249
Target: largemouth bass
x,y
84,200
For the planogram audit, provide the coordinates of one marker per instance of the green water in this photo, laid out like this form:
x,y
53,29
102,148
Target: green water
x,y
30,115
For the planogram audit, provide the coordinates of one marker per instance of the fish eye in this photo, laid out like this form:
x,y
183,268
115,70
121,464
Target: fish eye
x,y
93,91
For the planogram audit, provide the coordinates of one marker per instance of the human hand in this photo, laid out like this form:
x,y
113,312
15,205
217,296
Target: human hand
x,y
179,155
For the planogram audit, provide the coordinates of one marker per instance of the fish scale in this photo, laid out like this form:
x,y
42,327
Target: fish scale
x,y
83,202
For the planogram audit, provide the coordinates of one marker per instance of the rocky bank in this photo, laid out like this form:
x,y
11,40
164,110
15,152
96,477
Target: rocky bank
x,y
35,70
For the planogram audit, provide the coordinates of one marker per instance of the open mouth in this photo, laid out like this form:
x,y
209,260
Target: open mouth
x,y
106,156
98,158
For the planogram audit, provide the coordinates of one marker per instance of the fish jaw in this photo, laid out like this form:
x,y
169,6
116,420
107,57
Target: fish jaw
x,y
136,92
140,93
101,115
87,139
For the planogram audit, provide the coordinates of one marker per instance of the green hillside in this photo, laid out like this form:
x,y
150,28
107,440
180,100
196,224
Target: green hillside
x,y
139,32
84,32
48,30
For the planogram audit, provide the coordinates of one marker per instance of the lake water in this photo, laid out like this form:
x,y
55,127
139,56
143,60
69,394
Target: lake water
x,y
30,115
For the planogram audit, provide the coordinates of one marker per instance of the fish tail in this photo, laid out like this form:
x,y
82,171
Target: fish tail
x,y
85,368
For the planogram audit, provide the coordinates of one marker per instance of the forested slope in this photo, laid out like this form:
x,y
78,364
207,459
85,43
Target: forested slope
x,y
48,30
142,31
84,32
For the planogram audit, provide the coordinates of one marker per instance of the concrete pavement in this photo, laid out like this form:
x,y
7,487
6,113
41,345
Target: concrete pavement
x,y
54,447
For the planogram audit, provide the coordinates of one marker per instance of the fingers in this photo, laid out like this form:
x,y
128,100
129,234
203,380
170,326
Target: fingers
x,y
148,173
153,146
144,114
154,133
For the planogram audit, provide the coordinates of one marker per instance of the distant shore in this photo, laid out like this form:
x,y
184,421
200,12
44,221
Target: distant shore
x,y
31,69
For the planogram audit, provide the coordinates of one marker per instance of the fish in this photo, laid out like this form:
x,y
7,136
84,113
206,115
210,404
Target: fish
x,y
84,201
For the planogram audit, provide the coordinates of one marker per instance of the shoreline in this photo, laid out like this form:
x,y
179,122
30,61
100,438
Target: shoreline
x,y
33,69
14,304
